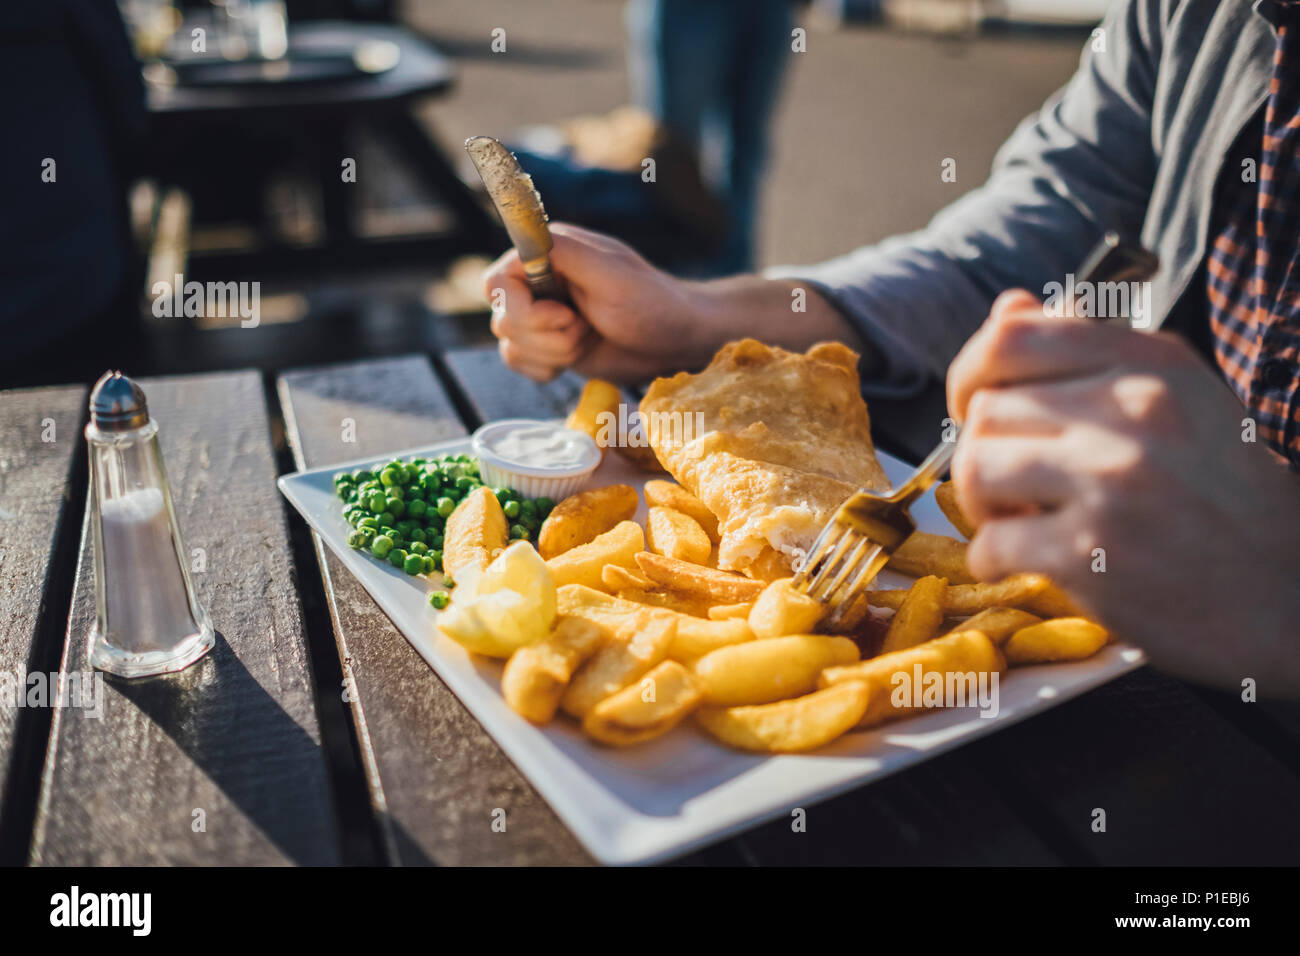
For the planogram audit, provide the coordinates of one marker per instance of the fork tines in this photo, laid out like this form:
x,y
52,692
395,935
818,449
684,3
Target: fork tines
x,y
840,558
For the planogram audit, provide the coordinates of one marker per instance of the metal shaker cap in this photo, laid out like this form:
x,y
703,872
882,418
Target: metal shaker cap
x,y
117,403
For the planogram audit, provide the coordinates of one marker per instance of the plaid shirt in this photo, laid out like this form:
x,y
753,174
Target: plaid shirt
x,y
1253,270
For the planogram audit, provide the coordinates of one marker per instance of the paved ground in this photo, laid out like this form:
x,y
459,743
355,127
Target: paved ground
x,y
866,118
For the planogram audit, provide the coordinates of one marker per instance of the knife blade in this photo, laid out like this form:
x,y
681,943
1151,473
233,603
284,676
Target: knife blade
x,y
516,199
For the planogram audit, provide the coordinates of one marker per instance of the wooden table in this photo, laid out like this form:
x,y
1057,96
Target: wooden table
x,y
315,734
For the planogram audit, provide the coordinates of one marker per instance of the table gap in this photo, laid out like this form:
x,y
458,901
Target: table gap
x,y
359,839
32,729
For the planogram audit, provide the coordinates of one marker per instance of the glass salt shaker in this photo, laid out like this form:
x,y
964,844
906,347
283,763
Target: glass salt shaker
x,y
147,620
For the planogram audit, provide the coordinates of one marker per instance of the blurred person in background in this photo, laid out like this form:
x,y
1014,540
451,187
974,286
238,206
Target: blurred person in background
x,y
73,113
705,76
1168,451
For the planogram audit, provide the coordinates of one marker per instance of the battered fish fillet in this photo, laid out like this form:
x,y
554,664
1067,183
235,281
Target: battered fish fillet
x,y
785,438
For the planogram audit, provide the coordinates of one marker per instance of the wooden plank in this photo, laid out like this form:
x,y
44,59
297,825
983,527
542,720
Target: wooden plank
x,y
434,774
40,440
946,812
221,763
493,392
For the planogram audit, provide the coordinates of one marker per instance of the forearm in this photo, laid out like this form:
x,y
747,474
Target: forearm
x,y
780,312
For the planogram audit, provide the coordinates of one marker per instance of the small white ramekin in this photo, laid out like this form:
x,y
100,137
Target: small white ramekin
x,y
531,481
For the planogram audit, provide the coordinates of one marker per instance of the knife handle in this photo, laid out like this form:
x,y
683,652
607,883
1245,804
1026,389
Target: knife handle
x,y
543,285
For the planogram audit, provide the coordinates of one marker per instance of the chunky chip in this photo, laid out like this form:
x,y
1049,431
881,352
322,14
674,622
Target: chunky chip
x,y
1062,639
650,706
763,671
789,726
919,617
584,516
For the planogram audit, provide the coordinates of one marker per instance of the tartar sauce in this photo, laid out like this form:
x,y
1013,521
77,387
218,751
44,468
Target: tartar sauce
x,y
540,445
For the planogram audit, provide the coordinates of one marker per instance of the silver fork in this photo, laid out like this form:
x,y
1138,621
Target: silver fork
x,y
867,528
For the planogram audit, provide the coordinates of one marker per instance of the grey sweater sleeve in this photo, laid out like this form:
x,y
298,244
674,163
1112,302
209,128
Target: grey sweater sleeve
x,y
1084,164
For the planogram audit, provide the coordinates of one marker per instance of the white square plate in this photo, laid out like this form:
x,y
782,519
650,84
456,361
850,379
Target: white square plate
x,y
667,796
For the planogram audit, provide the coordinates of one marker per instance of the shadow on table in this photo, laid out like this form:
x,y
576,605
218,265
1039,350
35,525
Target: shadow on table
x,y
247,745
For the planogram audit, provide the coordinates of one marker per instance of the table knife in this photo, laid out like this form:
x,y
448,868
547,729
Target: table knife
x,y
516,199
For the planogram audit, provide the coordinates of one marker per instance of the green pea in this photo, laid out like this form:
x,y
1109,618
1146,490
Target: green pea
x,y
381,546
428,565
418,534
376,502
411,472
387,517
362,474
545,504
417,508
436,555
528,507
503,495
419,547
414,564
439,599
519,531
370,521
418,461
413,494
389,477
397,558
465,483
357,540
434,538
446,506
511,509
397,506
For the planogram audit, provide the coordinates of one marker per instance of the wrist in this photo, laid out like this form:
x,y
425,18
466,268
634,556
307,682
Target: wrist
x,y
709,309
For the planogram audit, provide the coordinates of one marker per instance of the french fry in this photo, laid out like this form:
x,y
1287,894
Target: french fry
x,y
1061,639
1053,602
476,532
789,726
597,407
584,564
924,553
780,609
998,623
672,600
918,618
720,587
677,535
615,577
725,612
535,676
850,618
695,636
961,653
641,642
946,496
960,600
666,494
646,708
584,516
775,668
